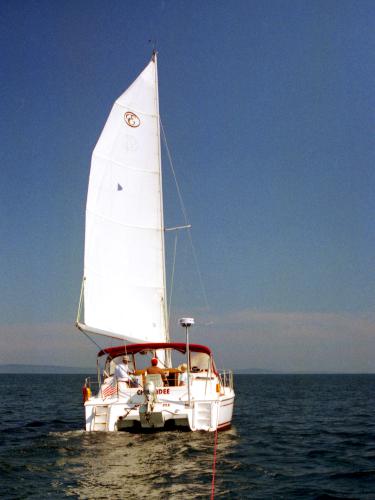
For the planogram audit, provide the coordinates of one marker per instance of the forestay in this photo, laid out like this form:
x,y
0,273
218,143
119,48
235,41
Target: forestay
x,y
124,275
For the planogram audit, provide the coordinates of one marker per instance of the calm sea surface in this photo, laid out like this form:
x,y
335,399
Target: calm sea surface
x,y
309,436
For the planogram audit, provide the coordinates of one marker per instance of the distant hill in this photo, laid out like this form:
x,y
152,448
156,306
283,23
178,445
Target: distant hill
x,y
18,368
53,369
28,369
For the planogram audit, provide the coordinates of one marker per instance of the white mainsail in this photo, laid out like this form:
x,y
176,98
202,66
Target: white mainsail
x,y
124,268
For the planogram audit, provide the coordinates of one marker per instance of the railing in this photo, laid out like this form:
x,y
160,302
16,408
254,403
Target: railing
x,y
226,378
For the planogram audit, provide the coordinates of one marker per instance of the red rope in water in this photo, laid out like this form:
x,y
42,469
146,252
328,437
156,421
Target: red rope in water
x,y
214,468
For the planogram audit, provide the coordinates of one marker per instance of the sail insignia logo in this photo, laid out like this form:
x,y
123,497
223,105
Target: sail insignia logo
x,y
132,119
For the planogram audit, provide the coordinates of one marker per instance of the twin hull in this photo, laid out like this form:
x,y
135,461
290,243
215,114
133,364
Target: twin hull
x,y
132,410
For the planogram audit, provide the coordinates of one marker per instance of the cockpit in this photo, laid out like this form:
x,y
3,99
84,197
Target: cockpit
x,y
172,362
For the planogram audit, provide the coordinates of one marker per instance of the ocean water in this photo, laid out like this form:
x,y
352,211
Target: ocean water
x,y
293,436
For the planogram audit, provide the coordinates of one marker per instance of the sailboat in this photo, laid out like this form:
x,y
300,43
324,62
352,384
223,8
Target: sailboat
x,y
163,384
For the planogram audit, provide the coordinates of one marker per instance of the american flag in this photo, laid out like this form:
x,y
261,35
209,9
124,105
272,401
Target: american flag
x,y
110,388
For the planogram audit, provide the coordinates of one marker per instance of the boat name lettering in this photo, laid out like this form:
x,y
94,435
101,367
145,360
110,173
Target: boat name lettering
x,y
158,391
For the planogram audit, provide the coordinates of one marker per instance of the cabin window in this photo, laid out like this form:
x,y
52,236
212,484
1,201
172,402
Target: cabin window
x,y
199,360
110,365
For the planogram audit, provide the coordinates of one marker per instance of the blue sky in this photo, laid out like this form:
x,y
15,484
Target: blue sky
x,y
269,113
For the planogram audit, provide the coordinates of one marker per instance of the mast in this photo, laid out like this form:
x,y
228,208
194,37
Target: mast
x,y
164,301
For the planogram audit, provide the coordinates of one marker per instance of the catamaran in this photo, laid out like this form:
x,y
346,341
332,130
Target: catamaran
x,y
149,382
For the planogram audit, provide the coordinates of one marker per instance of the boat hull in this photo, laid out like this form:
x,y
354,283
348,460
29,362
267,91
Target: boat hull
x,y
137,414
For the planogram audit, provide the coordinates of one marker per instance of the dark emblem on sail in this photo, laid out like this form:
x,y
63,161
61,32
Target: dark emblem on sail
x,y
132,119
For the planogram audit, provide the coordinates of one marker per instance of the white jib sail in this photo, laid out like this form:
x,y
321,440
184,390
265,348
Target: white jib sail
x,y
124,275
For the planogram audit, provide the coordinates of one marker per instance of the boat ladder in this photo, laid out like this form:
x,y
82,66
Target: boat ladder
x,y
205,416
100,422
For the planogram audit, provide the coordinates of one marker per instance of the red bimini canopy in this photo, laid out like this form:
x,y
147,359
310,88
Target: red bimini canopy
x,y
134,348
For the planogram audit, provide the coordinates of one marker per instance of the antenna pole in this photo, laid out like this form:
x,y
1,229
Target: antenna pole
x,y
186,323
188,362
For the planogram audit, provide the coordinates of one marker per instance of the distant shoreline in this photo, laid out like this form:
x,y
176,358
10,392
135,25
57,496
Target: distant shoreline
x,y
44,369
74,370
